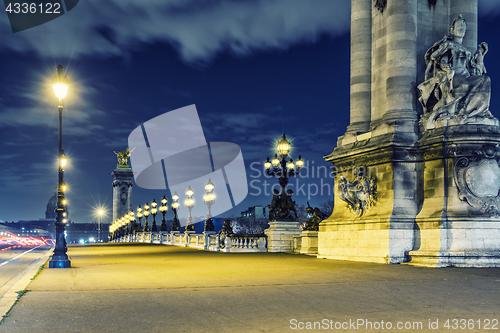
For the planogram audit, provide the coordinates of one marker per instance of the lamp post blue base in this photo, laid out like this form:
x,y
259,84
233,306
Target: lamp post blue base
x,y
59,263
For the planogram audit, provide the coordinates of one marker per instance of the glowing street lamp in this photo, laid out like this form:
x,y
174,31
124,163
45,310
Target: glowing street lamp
x,y
133,225
146,214
175,207
139,216
189,203
60,259
163,210
209,197
100,213
154,211
283,169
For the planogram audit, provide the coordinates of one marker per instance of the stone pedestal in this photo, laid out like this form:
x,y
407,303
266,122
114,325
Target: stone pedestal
x,y
280,235
187,237
459,223
123,179
309,242
376,200
206,237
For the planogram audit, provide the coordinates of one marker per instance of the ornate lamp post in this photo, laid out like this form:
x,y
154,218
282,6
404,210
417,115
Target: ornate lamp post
x,y
133,226
111,231
175,207
146,214
282,204
131,218
139,216
209,197
189,203
163,210
154,210
100,213
60,258
124,224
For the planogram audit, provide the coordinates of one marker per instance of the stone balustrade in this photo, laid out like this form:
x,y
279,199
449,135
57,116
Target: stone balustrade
x,y
208,240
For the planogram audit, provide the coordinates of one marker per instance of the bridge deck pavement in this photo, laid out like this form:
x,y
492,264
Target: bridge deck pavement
x,y
157,288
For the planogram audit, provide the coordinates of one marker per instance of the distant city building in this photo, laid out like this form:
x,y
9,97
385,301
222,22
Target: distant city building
x,y
257,212
75,232
86,232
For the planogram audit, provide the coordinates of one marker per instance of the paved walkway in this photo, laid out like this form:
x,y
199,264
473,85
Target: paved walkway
x,y
158,288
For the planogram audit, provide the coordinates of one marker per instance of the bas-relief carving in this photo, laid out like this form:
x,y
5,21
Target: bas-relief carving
x,y
123,195
358,194
456,89
478,180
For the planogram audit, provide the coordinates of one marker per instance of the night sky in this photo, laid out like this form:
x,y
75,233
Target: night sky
x,y
254,69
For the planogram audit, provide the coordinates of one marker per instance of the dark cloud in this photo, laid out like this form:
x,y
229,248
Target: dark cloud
x,y
198,29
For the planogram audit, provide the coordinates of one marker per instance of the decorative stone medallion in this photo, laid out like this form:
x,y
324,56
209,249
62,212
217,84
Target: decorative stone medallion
x,y
478,180
123,196
358,194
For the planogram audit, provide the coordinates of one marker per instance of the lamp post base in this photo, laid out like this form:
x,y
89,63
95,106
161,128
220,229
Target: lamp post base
x,y
59,263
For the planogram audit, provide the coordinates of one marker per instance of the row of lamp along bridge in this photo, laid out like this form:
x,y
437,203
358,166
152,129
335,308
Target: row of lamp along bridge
x,y
282,208
128,229
127,224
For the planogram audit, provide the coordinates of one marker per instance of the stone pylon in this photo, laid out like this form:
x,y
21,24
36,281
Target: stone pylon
x,y
407,191
122,191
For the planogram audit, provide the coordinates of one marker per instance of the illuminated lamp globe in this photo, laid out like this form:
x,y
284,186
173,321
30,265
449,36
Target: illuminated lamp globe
x,y
300,162
275,160
63,160
175,197
267,164
209,187
283,146
60,89
189,203
189,192
60,83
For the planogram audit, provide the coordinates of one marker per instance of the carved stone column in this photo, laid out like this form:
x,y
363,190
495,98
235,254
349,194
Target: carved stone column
x,y
122,191
361,63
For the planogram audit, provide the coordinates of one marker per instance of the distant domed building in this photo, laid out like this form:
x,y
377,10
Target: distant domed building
x,y
50,213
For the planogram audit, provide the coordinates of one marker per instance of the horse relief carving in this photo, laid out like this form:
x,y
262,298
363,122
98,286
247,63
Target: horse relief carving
x,y
359,195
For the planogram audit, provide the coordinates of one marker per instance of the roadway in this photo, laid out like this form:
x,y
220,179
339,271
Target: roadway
x,y
157,288
14,261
